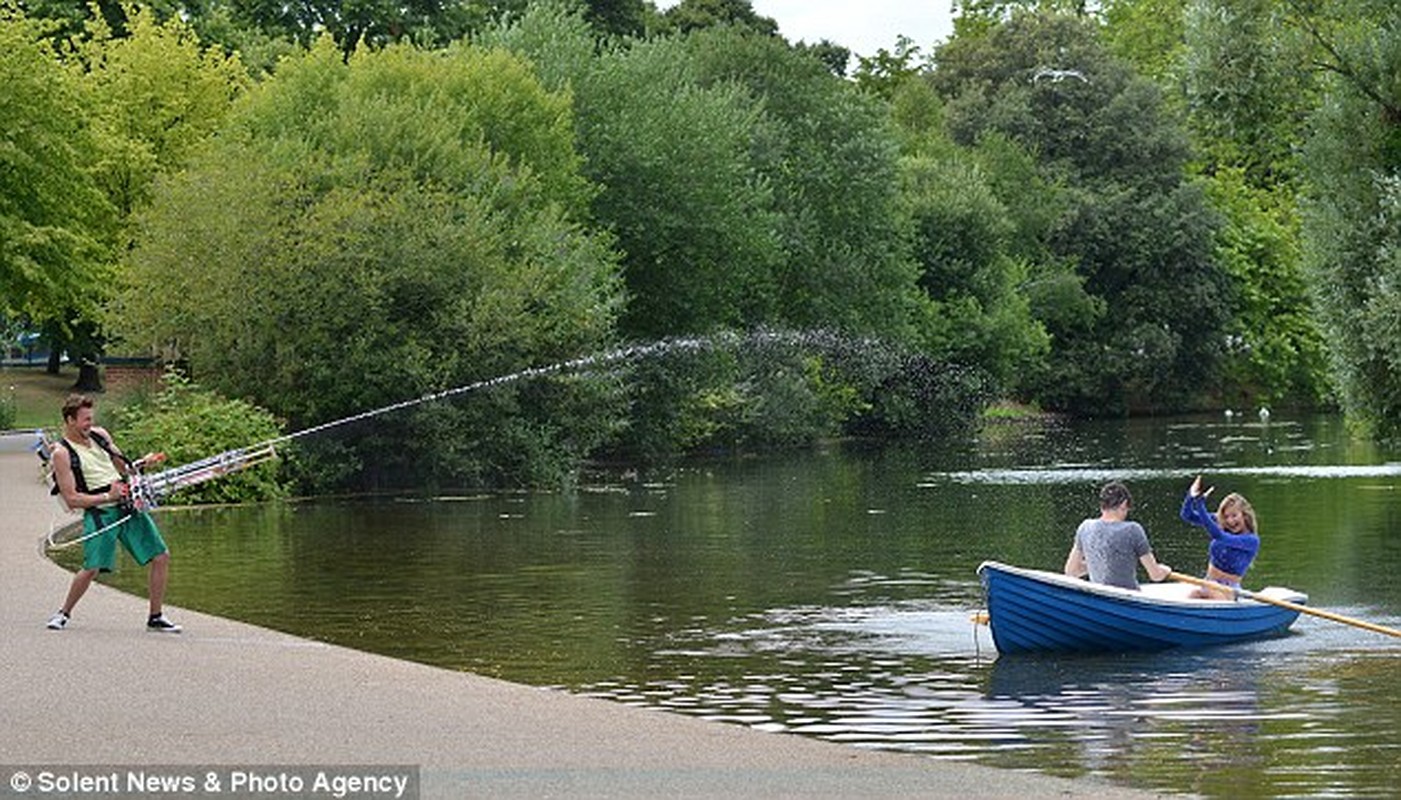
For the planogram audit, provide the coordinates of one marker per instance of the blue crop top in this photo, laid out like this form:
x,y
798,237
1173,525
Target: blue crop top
x,y
1229,552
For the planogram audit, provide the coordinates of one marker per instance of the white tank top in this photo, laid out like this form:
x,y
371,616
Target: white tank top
x,y
97,466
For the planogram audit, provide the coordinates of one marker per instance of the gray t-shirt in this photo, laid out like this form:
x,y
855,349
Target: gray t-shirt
x,y
1112,550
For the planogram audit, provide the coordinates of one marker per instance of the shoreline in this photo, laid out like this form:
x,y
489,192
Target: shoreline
x,y
105,691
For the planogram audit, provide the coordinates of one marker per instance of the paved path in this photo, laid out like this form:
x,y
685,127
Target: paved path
x,y
106,692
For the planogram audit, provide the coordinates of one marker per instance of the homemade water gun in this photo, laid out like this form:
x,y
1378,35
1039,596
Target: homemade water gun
x,y
147,491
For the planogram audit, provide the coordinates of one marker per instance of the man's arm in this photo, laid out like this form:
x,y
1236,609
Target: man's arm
x,y
1158,572
120,460
1075,565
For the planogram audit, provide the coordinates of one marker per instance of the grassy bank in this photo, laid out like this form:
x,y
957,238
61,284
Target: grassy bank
x,y
35,394
1010,411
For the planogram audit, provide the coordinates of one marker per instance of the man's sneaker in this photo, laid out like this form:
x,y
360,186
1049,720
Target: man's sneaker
x,y
58,621
160,624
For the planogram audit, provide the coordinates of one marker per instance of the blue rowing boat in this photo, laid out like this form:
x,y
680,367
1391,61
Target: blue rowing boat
x,y
1031,611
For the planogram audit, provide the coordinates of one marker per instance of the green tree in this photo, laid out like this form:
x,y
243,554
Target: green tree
x,y
155,94
369,23
1149,34
691,15
1275,352
886,72
158,94
831,155
67,20
1138,233
976,263
832,55
1352,207
979,315
618,17
370,231
1249,87
699,143
58,229
973,18
692,216
1239,72
254,27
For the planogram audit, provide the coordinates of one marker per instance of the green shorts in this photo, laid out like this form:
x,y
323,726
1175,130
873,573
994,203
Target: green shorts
x,y
138,534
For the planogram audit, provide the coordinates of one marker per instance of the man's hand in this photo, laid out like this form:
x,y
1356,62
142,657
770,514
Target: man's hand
x,y
118,491
148,459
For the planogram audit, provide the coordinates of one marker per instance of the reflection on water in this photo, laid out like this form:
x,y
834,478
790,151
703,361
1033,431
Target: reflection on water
x,y
828,595
1311,714
1082,475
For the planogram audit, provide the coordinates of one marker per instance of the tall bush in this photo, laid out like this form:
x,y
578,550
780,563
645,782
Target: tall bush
x,y
190,423
376,230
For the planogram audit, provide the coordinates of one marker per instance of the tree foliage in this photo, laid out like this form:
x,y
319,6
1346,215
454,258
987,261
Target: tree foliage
x,y
831,156
157,95
337,249
887,72
356,23
1249,88
1275,351
1138,233
142,95
57,227
1352,210
693,15
692,216
974,240
747,186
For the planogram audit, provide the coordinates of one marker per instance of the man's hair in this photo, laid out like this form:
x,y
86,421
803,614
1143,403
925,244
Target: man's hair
x,y
73,403
1113,495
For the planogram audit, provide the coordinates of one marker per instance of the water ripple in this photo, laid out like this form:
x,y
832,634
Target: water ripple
x,y
1087,474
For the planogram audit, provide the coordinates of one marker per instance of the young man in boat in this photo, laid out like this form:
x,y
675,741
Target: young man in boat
x,y
91,475
1110,548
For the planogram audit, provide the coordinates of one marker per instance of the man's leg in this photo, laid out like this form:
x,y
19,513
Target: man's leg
x,y
81,581
160,572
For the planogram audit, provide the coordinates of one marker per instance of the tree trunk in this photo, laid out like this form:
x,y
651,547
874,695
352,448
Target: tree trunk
x,y
89,377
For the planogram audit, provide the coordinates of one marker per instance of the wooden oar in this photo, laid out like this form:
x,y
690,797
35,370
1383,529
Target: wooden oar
x,y
1260,598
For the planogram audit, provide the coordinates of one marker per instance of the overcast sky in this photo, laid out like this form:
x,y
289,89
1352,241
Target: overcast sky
x,y
862,26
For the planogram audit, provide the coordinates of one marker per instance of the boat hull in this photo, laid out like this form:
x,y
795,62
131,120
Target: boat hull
x,y
1035,611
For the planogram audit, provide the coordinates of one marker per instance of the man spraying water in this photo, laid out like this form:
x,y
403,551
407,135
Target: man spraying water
x,y
92,475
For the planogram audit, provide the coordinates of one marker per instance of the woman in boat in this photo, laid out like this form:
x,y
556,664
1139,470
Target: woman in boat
x,y
1233,531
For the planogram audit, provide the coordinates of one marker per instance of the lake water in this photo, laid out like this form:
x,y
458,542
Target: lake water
x,y
828,594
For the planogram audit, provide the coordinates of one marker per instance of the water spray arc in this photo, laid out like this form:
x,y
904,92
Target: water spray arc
x,y
148,491
817,339
563,367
